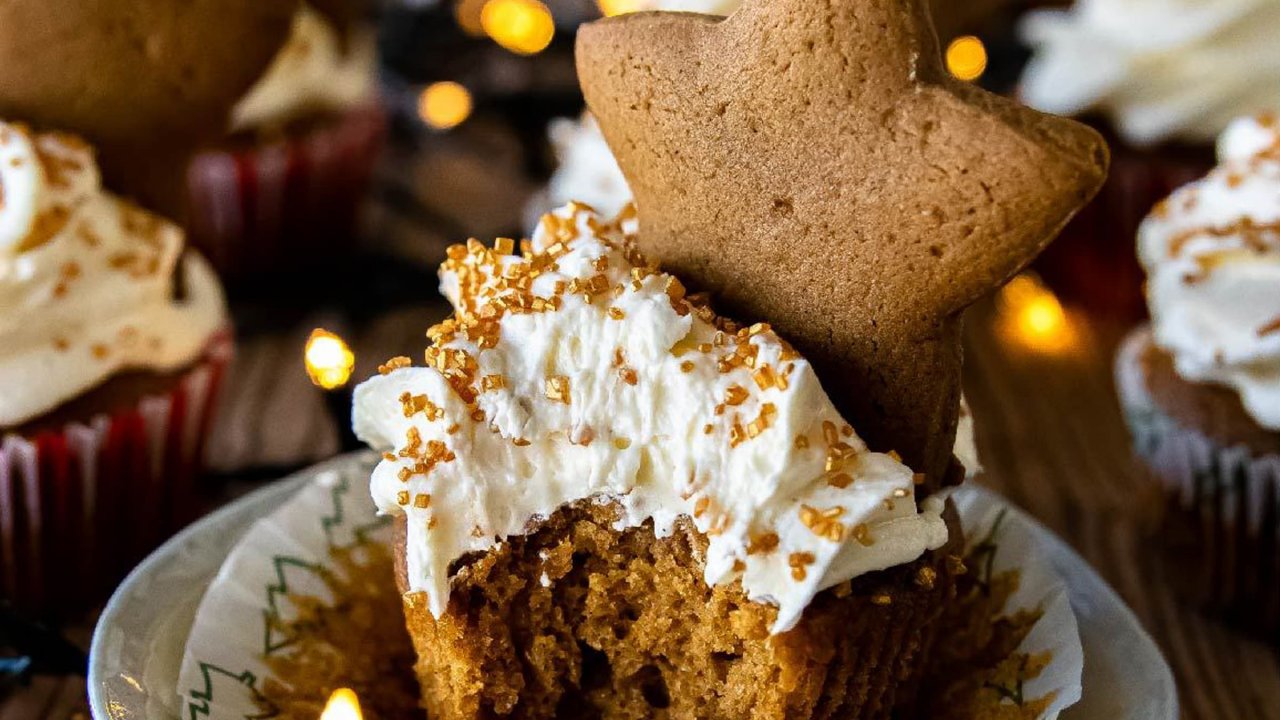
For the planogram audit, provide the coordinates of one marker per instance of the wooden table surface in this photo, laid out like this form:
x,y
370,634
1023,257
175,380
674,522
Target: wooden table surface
x,y
1052,441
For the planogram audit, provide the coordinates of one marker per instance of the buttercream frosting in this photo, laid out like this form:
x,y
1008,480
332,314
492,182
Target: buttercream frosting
x,y
575,370
316,70
1212,255
86,280
1160,69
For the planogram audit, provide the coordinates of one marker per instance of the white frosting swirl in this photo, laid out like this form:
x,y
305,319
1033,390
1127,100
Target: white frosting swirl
x,y
605,383
314,71
86,280
1160,69
1212,253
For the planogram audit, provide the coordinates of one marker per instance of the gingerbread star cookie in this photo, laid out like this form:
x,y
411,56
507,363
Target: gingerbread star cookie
x,y
812,163
143,80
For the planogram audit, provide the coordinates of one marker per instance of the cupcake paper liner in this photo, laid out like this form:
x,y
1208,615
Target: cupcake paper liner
x,y
256,209
79,505
1093,263
1221,532
288,552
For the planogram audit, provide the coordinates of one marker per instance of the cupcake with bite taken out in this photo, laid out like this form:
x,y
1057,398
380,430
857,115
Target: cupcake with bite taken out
x,y
113,339
1202,385
1162,79
287,181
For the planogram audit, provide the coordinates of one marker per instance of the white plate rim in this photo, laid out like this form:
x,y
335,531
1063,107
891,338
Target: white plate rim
x,y
1107,625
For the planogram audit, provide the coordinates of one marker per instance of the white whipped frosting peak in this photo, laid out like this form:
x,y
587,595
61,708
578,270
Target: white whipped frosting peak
x,y
86,280
1212,254
314,71
574,371
1160,69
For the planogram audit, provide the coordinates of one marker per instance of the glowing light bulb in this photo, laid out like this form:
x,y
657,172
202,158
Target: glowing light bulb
x,y
967,58
343,705
609,8
467,13
329,359
524,27
444,105
1033,318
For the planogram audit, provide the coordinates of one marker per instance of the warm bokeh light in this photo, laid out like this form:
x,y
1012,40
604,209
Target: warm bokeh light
x,y
329,359
967,58
521,26
444,105
609,8
343,705
1032,317
467,13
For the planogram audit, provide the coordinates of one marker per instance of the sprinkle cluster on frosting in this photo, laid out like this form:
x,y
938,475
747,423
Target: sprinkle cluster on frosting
x,y
579,370
86,279
1212,252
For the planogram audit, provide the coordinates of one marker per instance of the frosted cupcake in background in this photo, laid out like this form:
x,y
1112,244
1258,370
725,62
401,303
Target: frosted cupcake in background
x,y
303,141
113,339
1162,78
1201,386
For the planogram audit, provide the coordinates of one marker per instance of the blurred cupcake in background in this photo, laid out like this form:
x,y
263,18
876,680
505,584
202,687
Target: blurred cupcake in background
x,y
1162,79
287,182
113,339
1201,386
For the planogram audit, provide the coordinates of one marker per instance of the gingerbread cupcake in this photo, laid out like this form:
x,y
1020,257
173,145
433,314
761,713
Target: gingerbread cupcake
x,y
613,501
288,180
1202,385
114,341
1162,80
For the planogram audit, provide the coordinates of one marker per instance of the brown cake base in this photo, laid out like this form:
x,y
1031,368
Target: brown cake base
x,y
578,620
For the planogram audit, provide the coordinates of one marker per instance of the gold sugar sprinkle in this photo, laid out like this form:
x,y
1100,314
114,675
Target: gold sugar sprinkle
x,y
798,561
763,544
686,366
629,376
489,383
422,501
402,497
882,599
557,389
862,534
802,442
621,443
521,442
617,313
736,395
926,577
708,429
394,363
504,246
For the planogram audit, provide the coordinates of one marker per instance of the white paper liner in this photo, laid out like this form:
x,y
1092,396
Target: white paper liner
x,y
1185,460
223,664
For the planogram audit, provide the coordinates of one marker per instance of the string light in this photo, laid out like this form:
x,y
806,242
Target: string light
x,y
524,27
329,359
609,8
1032,317
343,705
967,58
444,105
467,13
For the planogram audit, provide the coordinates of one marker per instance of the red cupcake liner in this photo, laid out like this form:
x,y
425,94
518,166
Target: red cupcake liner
x,y
1094,264
257,209
1221,532
80,505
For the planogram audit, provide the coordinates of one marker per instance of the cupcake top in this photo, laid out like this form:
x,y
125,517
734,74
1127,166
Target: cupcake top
x,y
1212,253
321,68
87,280
1159,69
577,370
